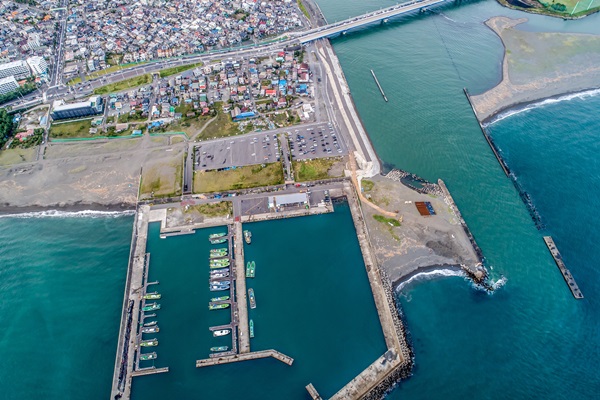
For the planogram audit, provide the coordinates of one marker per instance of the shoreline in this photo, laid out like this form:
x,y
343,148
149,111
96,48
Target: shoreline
x,y
8,210
558,82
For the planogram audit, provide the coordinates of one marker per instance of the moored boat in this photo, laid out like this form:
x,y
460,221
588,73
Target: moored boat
x,y
250,269
151,329
219,348
218,288
151,323
221,275
218,241
248,237
149,343
252,298
251,328
151,307
219,306
148,356
216,235
220,283
152,296
220,298
217,255
221,332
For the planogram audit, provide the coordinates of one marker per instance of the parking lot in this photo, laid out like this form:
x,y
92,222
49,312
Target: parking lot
x,y
316,142
253,149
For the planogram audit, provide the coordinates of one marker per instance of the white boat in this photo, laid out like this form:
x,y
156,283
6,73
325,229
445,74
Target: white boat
x,y
222,332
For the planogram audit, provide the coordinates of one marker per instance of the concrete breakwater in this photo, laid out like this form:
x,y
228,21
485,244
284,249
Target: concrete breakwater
x,y
535,216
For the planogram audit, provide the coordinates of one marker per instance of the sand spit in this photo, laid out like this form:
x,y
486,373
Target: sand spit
x,y
539,65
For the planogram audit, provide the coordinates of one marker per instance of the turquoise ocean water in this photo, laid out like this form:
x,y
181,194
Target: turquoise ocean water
x,y
530,339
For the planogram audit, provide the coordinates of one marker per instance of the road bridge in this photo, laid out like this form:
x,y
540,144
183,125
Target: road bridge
x,y
368,18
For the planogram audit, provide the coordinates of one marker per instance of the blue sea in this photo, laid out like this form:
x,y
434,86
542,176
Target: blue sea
x,y
530,339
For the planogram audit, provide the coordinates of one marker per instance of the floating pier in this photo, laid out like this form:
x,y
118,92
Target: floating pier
x,y
563,269
379,86
217,359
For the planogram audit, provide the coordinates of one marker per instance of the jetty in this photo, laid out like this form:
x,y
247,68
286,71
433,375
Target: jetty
x,y
487,137
218,360
562,267
149,371
379,86
240,286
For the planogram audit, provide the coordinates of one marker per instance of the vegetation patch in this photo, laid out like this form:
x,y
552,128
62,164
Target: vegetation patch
x,y
220,209
367,185
31,141
175,70
222,126
313,170
125,84
303,9
239,178
73,129
16,156
162,180
386,220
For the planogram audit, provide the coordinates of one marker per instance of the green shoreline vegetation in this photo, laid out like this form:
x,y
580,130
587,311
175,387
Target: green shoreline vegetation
x,y
566,9
313,170
303,8
249,176
71,129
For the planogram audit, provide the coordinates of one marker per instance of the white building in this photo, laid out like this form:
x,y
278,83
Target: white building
x,y
8,85
38,65
18,69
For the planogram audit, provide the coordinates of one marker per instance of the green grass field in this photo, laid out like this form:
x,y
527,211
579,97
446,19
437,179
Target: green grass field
x,y
123,85
240,178
175,70
313,170
221,127
74,129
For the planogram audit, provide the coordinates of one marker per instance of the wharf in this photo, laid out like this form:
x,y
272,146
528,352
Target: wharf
x,y
379,86
313,392
244,357
221,327
185,231
150,371
562,267
134,285
240,289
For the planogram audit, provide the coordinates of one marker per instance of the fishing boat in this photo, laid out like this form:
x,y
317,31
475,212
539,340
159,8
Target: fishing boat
x,y
148,356
151,307
251,328
219,270
217,255
221,275
218,241
216,235
219,250
250,269
149,343
219,348
222,262
221,332
151,323
220,283
152,296
248,237
220,306
252,298
151,329
221,298
218,288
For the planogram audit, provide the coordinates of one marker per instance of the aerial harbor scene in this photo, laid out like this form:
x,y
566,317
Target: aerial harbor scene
x,y
299,199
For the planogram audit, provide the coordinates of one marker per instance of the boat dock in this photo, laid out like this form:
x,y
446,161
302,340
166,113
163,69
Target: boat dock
x,y
379,86
185,231
563,269
218,360
313,392
149,371
240,286
221,327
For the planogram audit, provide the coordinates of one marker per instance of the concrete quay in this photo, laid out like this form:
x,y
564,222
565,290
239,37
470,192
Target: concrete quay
x,y
240,289
245,357
563,268
313,392
150,371
134,289
287,214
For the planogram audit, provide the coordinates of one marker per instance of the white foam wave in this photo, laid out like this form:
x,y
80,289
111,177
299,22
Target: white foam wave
x,y
70,214
438,273
499,283
554,100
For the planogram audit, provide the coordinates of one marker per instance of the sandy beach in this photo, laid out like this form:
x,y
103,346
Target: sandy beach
x,y
538,65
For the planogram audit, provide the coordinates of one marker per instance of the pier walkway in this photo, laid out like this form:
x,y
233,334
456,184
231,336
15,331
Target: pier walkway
x,y
563,268
245,357
150,371
240,289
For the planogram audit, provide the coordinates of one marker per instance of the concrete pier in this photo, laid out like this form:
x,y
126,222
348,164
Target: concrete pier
x,y
150,371
245,357
379,86
313,392
134,288
240,289
563,268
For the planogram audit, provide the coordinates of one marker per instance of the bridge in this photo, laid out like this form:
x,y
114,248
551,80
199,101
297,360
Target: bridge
x,y
368,18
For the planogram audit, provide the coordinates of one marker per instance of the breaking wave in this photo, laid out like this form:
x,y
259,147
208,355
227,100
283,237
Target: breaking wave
x,y
70,214
552,100
438,273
